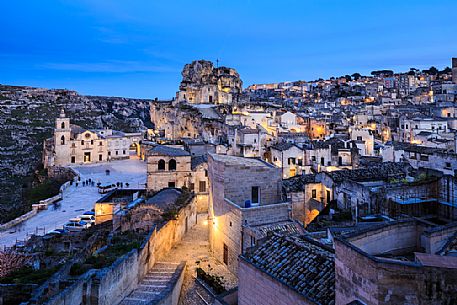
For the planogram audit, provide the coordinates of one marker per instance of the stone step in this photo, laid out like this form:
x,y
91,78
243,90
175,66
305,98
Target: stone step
x,y
153,285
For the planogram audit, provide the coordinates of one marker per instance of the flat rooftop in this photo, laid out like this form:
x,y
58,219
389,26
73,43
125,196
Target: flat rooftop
x,y
233,160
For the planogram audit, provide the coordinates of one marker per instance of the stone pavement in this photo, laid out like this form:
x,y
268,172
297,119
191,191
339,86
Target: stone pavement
x,y
77,200
194,249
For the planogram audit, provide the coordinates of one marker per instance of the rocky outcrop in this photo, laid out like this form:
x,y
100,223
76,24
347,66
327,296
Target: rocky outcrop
x,y
27,117
203,83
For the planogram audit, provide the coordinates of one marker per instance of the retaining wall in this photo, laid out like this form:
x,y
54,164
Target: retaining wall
x,y
112,284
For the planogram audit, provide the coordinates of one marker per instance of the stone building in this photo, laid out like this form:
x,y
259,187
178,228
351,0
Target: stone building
x,y
169,166
72,144
244,194
202,83
286,270
290,158
405,262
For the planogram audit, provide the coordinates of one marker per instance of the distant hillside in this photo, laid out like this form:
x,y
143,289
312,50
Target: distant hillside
x,y
27,118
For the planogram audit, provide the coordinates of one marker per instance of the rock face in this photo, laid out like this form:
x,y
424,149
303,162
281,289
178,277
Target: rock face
x,y
27,117
203,83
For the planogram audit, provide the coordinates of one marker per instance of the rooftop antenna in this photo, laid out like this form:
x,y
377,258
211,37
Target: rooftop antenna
x,y
217,62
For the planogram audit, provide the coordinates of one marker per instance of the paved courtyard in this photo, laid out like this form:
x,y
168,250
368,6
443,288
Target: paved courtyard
x,y
77,200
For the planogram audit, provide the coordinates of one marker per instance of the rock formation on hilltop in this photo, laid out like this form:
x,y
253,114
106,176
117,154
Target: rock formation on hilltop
x,y
203,83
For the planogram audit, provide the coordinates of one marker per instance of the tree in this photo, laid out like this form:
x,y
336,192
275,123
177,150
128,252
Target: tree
x,y
446,70
11,261
433,71
356,76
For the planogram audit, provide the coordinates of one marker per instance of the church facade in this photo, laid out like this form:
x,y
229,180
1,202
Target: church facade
x,y
72,144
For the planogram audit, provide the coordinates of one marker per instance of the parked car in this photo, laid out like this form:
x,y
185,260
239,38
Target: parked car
x,y
56,232
88,218
76,226
89,213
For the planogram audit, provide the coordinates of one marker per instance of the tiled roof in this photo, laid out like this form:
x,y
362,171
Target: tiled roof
x,y
297,183
382,171
298,262
197,160
162,150
287,227
282,146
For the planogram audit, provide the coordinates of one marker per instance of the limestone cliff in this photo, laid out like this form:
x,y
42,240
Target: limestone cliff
x,y
27,118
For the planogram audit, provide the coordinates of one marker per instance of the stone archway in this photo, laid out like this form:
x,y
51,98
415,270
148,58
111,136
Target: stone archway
x,y
134,151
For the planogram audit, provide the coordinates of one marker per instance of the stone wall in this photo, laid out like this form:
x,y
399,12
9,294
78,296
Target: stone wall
x,y
258,288
110,285
372,281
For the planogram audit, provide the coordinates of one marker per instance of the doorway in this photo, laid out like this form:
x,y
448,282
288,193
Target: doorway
x,y
87,157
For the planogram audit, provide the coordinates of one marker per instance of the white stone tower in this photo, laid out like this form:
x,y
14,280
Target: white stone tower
x,y
62,140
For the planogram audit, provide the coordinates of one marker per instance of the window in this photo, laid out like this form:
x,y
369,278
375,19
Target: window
x,y
100,144
191,186
291,161
123,152
448,164
299,162
313,158
73,159
322,161
206,173
171,184
91,142
202,186
100,157
62,140
255,194
225,257
109,153
275,159
359,138
161,165
416,127
117,152
172,165
82,142
424,158
448,115
62,125
314,194
406,126
252,241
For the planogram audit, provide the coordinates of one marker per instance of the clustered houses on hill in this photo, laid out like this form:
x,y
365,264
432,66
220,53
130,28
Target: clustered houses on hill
x,y
338,191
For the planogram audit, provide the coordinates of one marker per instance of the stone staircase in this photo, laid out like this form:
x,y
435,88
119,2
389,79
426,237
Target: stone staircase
x,y
156,285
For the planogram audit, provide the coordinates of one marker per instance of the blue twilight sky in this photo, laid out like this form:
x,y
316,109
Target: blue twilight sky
x,y
136,48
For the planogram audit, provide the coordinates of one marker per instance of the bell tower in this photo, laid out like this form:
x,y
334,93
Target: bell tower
x,y
62,140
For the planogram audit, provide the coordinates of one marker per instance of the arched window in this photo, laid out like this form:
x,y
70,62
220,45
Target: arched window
x,y
161,166
62,126
172,165
62,140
